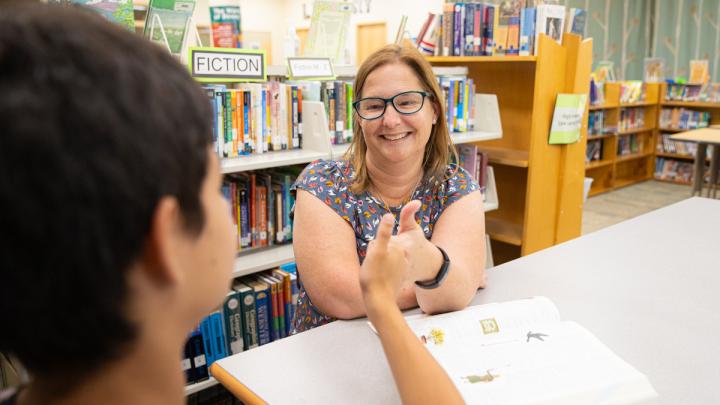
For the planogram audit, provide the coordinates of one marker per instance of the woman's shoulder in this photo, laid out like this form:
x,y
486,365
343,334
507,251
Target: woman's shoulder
x,y
456,180
336,170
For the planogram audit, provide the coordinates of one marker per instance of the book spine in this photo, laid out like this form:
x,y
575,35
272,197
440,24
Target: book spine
x,y
262,215
299,118
198,354
220,342
282,331
469,30
186,363
232,319
458,32
448,29
489,38
262,298
479,10
274,310
247,302
207,337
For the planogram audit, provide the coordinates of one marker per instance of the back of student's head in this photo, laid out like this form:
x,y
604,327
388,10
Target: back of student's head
x,y
96,126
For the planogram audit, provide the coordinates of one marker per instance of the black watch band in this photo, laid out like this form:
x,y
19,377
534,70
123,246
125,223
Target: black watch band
x,y
442,274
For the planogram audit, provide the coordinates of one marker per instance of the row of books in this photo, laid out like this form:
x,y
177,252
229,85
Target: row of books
x,y
673,170
709,92
631,118
337,96
632,91
459,95
475,162
667,145
483,29
258,310
594,150
255,118
260,204
629,145
683,118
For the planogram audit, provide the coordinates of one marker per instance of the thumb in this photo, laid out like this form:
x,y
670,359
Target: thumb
x,y
407,216
384,231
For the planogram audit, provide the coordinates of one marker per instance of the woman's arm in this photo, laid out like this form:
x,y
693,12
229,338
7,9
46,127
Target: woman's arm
x,y
460,231
419,378
327,260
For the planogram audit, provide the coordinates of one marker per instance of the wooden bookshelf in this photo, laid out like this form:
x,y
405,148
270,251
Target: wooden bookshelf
x,y
536,182
614,171
704,106
605,106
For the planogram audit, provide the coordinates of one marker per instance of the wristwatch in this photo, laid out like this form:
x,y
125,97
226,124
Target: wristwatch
x,y
442,274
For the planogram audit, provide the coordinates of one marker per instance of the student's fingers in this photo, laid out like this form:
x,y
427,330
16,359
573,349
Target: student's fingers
x,y
407,216
384,231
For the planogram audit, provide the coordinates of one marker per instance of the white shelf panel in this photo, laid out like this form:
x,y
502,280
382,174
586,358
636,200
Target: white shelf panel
x,y
199,386
491,198
264,259
339,150
474,136
450,70
270,159
344,71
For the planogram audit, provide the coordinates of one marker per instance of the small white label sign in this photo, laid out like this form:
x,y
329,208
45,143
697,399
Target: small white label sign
x,y
310,68
217,64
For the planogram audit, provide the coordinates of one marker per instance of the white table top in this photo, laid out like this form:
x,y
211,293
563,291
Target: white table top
x,y
649,288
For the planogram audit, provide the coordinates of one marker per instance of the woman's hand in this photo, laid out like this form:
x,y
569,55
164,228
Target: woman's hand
x,y
424,258
384,269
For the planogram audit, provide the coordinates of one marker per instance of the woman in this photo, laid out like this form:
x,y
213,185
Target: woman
x,y
398,164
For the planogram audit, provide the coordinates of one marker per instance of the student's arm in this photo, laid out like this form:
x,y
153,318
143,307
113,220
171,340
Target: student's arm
x,y
460,231
327,260
419,378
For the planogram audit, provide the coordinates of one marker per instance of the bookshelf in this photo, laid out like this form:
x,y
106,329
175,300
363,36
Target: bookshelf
x,y
628,152
540,185
675,160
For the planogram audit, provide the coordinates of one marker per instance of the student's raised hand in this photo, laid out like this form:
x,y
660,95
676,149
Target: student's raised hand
x,y
385,266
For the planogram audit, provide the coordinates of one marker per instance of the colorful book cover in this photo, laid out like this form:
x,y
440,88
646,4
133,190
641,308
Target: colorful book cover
x,y
469,30
489,22
550,21
576,20
225,26
118,11
527,32
459,26
232,320
512,44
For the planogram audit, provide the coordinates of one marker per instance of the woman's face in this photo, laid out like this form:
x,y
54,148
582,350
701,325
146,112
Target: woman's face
x,y
396,137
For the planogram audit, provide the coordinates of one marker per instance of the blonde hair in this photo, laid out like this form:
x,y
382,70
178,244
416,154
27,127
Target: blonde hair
x,y
439,147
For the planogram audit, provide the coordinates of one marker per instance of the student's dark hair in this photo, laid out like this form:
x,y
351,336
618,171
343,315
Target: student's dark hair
x,y
97,125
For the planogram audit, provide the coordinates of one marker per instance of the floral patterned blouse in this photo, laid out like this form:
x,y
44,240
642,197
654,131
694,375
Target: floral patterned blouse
x,y
329,180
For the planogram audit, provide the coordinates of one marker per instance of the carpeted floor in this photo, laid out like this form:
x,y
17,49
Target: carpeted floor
x,y
616,206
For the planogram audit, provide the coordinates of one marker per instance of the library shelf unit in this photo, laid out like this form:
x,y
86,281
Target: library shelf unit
x,y
200,385
713,108
540,185
615,169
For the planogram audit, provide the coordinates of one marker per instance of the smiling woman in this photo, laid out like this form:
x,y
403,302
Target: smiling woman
x,y
398,163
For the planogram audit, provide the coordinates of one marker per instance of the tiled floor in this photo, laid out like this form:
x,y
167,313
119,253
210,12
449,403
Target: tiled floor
x,y
616,206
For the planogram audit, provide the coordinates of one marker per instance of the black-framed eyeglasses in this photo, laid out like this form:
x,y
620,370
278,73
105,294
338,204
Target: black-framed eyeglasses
x,y
406,103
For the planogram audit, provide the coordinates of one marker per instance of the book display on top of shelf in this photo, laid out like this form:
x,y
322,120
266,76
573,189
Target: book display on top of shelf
x,y
168,22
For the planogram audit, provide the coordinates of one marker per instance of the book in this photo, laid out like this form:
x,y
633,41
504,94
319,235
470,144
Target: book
x,y
232,322
699,72
576,20
199,362
262,311
527,32
521,352
175,16
249,314
117,11
654,69
225,25
550,20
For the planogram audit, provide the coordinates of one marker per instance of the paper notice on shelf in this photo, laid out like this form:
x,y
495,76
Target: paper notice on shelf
x,y
567,119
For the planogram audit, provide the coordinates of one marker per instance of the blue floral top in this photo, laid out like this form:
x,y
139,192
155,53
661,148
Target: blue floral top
x,y
330,181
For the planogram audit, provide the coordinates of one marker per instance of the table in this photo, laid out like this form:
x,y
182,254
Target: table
x,y
648,288
703,137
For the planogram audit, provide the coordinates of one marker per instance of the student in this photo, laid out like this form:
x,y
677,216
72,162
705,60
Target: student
x,y
116,239
419,378
400,152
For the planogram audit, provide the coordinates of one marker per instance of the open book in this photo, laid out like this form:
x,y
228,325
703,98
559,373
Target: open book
x,y
520,352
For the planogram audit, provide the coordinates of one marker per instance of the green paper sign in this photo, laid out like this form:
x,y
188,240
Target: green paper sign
x,y
567,119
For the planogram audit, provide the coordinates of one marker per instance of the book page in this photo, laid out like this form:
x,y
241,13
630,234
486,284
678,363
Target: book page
x,y
519,352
